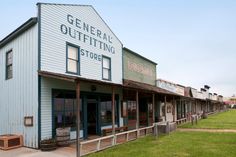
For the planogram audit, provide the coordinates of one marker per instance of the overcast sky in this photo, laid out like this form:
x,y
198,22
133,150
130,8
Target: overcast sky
x,y
193,41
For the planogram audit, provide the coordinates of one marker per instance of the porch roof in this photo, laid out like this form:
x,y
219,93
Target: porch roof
x,y
147,87
73,78
126,83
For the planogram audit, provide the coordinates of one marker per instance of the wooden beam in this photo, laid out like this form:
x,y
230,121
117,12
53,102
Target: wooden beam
x,y
113,110
137,110
78,119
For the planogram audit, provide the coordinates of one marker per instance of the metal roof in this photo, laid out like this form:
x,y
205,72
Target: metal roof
x,y
25,26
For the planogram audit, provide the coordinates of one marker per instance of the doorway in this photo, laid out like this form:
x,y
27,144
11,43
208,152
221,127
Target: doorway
x,y
92,116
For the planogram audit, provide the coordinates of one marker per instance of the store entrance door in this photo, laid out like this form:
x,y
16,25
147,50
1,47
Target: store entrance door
x,y
92,116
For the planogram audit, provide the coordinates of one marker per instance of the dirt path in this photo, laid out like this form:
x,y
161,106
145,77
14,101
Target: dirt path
x,y
207,130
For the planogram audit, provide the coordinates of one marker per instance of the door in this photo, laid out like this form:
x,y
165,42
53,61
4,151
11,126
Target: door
x,y
92,116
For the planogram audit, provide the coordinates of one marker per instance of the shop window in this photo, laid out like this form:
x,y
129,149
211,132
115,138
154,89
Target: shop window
x,y
124,110
73,65
65,110
106,68
150,113
9,57
132,110
106,111
181,110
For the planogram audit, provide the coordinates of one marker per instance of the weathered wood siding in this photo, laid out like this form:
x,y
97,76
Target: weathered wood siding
x,y
19,95
138,69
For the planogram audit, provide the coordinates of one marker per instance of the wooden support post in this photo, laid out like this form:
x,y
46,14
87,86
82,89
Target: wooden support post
x,y
173,110
196,105
78,119
153,108
137,111
165,110
113,111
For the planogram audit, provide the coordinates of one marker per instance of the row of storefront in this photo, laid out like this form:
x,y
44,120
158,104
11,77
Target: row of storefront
x,y
74,72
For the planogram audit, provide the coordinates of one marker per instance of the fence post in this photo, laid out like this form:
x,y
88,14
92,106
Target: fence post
x,y
196,119
167,127
155,130
114,140
98,145
192,119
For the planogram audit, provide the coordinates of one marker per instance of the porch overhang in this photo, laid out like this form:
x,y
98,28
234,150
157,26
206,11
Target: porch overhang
x,y
146,87
74,78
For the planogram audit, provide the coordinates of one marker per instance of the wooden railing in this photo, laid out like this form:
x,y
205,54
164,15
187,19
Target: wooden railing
x,y
180,121
91,146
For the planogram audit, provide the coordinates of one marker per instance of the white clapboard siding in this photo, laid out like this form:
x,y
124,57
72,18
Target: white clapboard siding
x,y
47,84
19,95
53,42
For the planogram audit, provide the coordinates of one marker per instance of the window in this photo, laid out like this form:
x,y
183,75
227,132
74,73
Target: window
x,y
181,110
106,68
106,111
150,113
65,109
72,59
132,109
9,65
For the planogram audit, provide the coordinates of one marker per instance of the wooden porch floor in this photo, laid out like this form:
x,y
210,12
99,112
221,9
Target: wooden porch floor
x,y
97,143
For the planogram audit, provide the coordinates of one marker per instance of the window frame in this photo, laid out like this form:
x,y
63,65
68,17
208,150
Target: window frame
x,y
63,111
103,124
67,58
10,65
109,70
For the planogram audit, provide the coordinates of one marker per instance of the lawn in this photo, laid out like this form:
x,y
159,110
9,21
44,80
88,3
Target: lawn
x,y
177,144
224,120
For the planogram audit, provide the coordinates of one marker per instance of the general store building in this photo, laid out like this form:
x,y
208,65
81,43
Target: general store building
x,y
66,49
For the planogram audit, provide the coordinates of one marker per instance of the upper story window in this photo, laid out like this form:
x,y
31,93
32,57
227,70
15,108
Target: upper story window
x,y
9,73
73,65
106,68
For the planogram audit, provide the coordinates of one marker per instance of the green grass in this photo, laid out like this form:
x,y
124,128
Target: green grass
x,y
177,144
224,120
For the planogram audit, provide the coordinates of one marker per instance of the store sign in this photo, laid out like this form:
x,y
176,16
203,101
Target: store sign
x,y
88,34
194,92
166,86
139,68
180,90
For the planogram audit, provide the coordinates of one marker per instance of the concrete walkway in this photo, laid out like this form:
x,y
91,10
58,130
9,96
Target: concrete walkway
x,y
27,152
207,130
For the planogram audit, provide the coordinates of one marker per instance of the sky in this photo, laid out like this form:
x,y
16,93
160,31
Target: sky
x,y
193,41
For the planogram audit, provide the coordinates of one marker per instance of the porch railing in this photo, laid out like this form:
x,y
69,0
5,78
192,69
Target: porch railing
x,y
180,121
91,146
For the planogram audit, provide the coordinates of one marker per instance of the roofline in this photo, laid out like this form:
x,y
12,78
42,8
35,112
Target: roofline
x,y
192,88
166,81
63,4
163,91
125,48
21,29
182,86
176,84
39,3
